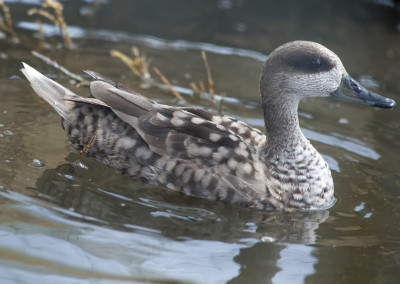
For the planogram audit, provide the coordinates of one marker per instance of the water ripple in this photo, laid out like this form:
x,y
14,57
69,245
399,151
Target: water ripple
x,y
354,147
146,40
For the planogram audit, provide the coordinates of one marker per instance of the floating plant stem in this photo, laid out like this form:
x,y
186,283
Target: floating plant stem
x,y
57,66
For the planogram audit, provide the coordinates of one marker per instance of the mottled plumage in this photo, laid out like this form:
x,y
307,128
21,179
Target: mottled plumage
x,y
209,155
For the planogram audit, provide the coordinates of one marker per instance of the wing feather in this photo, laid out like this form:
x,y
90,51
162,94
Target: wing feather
x,y
187,133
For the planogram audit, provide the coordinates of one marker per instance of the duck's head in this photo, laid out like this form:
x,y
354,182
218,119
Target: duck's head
x,y
301,69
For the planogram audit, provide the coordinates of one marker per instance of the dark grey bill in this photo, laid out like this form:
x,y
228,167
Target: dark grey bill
x,y
351,90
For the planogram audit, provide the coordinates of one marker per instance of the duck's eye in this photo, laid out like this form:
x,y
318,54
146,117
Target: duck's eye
x,y
316,63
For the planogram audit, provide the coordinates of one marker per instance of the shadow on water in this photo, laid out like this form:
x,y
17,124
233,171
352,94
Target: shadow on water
x,y
88,193
94,222
93,211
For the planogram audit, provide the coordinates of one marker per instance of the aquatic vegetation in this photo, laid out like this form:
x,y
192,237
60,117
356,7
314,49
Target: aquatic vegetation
x,y
54,64
209,78
6,24
139,64
166,82
200,90
57,18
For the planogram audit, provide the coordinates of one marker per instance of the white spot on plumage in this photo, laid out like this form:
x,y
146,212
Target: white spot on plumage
x,y
126,142
143,152
226,119
233,137
198,175
170,165
235,124
205,151
242,145
242,130
89,128
242,152
297,196
161,117
220,127
75,132
198,120
205,181
216,119
217,157
177,122
247,168
223,151
181,114
215,137
232,164
193,150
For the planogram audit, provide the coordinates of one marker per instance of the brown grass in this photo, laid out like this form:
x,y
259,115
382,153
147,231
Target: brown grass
x,y
6,24
55,15
139,64
209,77
166,82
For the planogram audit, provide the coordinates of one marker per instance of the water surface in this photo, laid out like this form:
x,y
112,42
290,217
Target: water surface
x,y
60,223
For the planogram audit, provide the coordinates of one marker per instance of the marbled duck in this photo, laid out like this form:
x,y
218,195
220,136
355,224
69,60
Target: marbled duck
x,y
211,155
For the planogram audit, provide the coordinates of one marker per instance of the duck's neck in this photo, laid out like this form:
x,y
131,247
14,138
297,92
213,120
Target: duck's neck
x,y
298,174
282,125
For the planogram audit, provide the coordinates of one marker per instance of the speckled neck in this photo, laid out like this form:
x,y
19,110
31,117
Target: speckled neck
x,y
282,124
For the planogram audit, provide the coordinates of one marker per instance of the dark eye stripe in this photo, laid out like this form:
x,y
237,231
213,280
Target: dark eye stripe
x,y
307,62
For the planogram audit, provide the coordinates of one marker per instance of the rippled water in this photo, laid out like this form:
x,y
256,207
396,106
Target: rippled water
x,y
60,223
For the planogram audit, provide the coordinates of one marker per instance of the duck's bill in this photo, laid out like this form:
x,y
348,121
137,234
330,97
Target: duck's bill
x,y
351,90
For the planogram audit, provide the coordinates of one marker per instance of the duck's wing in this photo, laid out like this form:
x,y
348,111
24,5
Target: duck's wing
x,y
187,133
248,134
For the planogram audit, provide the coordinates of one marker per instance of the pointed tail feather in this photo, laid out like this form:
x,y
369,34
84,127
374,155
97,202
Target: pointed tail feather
x,y
53,93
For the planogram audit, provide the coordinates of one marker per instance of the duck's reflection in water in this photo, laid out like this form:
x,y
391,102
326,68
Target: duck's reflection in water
x,y
228,237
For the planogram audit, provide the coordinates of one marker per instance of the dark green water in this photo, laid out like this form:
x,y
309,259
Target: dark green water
x,y
63,224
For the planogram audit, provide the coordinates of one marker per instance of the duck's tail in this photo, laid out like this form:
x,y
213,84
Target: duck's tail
x,y
50,91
